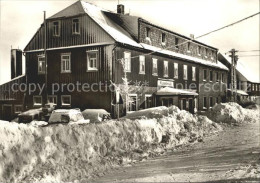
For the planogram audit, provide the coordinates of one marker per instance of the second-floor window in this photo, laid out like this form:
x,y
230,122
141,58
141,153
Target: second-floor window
x,y
185,72
92,60
127,62
41,64
210,75
142,64
56,28
65,63
75,26
210,101
193,73
223,78
165,68
217,77
204,75
155,67
163,38
176,70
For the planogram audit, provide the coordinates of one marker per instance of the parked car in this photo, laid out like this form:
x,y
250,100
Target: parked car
x,y
67,116
96,115
30,115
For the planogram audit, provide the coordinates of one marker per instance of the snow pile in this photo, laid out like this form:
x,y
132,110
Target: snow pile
x,y
77,152
232,113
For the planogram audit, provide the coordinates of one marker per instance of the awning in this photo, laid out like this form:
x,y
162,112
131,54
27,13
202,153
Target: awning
x,y
241,92
174,91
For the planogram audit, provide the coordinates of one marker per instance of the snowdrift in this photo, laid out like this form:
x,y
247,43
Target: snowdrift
x,y
233,113
67,153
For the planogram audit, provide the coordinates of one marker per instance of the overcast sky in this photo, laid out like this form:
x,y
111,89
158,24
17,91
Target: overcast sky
x,y
21,19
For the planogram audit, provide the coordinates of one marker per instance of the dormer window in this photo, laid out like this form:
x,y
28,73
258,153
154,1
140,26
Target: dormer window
x,y
176,43
56,28
75,26
163,38
188,46
199,50
147,32
206,53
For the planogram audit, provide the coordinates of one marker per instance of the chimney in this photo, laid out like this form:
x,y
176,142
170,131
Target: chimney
x,y
120,9
16,63
192,36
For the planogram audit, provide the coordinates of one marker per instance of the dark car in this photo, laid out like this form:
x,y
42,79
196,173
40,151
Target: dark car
x,y
30,115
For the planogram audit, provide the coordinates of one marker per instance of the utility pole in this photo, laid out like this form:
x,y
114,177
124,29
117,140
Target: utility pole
x,y
45,57
233,86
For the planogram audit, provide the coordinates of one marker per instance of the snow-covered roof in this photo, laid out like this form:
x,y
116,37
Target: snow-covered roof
x,y
182,56
241,92
174,91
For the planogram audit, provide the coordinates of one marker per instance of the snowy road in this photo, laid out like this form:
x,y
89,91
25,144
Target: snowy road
x,y
230,155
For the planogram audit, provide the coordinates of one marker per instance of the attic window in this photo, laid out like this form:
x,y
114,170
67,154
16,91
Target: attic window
x,y
147,32
75,26
177,43
56,28
199,50
163,38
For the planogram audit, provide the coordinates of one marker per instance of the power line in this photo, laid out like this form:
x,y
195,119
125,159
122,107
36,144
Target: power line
x,y
198,36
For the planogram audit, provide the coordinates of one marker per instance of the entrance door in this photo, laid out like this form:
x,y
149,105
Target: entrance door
x,y
7,112
191,109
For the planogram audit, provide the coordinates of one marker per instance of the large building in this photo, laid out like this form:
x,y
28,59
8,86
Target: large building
x,y
86,45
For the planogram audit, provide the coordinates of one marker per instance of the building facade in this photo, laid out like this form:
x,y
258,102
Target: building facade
x,y
88,48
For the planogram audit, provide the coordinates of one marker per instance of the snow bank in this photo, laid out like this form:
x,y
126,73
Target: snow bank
x,y
232,113
67,153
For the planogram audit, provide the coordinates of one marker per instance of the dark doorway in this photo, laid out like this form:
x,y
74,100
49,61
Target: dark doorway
x,y
7,112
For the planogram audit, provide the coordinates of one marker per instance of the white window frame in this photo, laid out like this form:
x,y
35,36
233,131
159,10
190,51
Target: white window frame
x,y
56,28
205,79
95,61
204,98
147,96
185,72
164,66
176,70
18,111
34,100
127,61
62,98
52,96
64,61
193,73
75,25
155,62
141,63
43,69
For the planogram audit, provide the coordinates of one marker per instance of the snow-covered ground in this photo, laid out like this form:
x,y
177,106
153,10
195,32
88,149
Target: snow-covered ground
x,y
78,152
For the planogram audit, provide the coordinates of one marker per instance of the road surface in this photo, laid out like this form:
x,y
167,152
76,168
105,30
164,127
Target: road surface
x,y
232,154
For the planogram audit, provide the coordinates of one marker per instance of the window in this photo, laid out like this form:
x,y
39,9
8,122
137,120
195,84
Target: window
x,y
217,77
65,63
127,63
253,87
56,28
147,32
188,46
204,75
18,109
65,100
206,53
52,99
185,72
41,64
223,78
210,101
155,67
92,60
141,64
165,68
176,43
204,102
37,100
199,50
148,101
176,70
193,73
132,102
211,76
163,38
75,26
